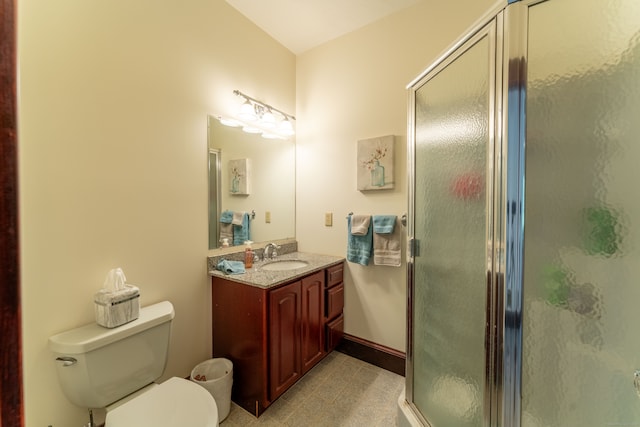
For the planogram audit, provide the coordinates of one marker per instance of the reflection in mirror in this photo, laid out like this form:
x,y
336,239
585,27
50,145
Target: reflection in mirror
x,y
270,182
214,197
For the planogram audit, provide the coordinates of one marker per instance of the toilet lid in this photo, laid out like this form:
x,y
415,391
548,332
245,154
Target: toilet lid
x,y
174,403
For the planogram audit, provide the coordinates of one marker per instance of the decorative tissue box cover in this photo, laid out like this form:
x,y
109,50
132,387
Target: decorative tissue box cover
x,y
116,308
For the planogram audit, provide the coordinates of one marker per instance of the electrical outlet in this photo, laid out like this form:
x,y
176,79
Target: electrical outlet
x,y
267,217
328,219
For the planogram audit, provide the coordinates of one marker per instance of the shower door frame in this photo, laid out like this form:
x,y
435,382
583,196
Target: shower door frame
x,y
505,204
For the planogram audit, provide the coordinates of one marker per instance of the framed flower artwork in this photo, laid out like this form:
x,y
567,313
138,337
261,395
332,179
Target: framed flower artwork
x,y
239,176
375,163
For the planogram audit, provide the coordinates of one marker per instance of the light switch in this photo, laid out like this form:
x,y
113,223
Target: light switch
x,y
328,219
267,217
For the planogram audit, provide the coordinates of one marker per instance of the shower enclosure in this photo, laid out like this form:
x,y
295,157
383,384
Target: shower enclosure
x,y
524,225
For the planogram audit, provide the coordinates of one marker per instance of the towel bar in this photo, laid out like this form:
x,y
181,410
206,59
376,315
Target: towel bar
x,y
403,218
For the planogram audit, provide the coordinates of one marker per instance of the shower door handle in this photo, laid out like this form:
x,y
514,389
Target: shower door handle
x,y
414,248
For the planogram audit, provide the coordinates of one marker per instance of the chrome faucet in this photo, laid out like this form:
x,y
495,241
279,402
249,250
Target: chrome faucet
x,y
274,253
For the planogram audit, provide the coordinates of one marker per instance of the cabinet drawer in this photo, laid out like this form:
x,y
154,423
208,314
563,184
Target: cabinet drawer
x,y
335,331
334,275
335,301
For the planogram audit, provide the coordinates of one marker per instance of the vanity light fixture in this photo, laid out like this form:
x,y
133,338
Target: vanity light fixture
x,y
268,120
247,112
286,128
257,117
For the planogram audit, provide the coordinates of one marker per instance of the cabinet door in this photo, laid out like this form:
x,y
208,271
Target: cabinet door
x,y
284,337
312,320
335,332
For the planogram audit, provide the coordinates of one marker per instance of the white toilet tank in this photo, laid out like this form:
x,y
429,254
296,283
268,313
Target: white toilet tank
x,y
98,366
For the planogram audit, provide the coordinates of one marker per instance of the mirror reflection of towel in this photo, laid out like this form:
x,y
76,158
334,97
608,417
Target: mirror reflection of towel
x,y
387,246
226,232
241,233
226,217
237,218
359,245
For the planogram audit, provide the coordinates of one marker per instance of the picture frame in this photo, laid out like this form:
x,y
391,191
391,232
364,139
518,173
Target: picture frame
x,y
375,158
239,177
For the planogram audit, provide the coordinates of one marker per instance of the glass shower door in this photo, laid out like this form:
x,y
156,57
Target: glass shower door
x,y
451,212
581,342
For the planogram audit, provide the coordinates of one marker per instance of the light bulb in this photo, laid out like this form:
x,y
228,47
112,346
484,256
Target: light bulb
x,y
268,121
247,112
286,128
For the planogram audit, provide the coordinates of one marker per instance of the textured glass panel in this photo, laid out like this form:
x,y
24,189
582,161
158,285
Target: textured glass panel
x,y
582,218
450,213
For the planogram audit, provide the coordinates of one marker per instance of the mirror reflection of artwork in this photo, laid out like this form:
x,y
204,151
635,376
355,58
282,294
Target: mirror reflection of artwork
x,y
239,176
375,163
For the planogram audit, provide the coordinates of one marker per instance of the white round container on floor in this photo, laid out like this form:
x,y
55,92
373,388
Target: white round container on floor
x,y
218,374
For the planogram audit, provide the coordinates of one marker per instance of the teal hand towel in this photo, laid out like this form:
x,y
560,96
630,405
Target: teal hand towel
x,y
241,233
226,217
384,224
359,247
231,267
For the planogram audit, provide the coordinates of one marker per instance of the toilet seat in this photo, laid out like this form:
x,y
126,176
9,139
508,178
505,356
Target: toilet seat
x,y
174,403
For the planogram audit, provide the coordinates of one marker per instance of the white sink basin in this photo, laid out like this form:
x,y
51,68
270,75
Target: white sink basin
x,y
283,265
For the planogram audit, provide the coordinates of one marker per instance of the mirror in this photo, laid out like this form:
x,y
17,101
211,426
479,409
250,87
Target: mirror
x,y
267,187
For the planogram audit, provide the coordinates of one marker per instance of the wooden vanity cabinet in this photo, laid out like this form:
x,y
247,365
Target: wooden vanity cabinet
x,y
239,333
334,301
296,338
284,338
313,321
272,336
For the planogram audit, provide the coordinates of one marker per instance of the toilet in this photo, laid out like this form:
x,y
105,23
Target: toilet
x,y
116,369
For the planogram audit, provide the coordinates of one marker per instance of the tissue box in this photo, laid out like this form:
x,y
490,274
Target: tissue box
x,y
116,308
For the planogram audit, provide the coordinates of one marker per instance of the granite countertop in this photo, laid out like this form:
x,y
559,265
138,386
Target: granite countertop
x,y
255,276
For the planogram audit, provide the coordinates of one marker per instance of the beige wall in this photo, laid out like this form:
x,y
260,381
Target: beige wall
x,y
349,89
114,98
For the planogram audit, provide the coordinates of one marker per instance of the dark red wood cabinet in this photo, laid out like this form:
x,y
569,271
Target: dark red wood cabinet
x,y
273,336
285,334
312,340
334,301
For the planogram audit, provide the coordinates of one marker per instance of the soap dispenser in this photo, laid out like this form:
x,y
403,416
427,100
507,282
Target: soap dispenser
x,y
248,254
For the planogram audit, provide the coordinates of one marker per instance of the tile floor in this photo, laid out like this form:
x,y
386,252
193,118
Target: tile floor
x,y
340,391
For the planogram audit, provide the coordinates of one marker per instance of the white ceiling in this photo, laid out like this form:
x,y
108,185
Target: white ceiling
x,y
300,25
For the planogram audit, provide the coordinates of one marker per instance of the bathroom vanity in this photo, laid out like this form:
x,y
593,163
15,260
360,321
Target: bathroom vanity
x,y
276,325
